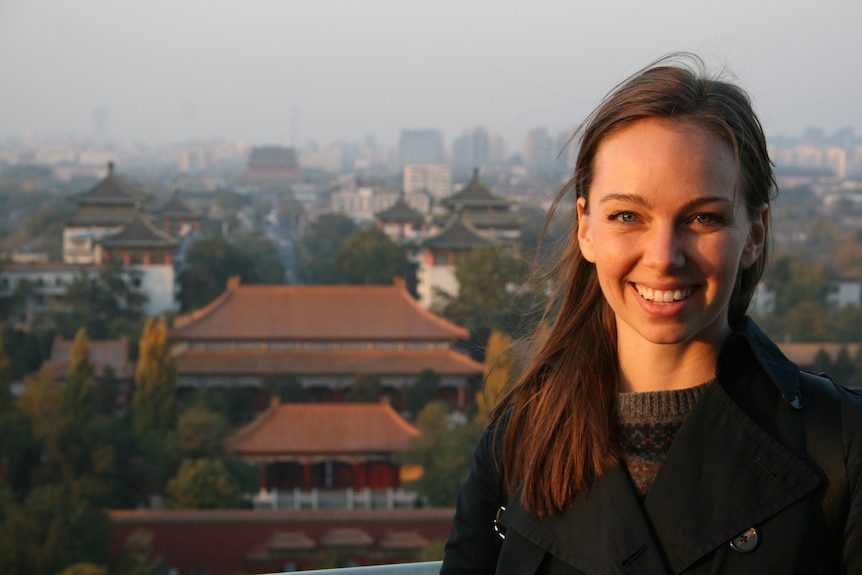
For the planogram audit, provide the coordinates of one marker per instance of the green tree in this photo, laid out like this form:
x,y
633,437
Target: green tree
x,y
444,450
498,372
822,362
268,268
107,304
78,399
366,388
5,378
369,257
843,372
421,392
286,387
203,484
210,261
316,250
200,433
154,401
495,292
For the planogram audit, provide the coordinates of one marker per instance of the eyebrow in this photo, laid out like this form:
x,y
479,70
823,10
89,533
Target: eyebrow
x,y
641,201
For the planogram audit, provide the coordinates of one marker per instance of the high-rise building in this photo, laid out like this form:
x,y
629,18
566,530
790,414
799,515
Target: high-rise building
x,y
421,147
435,179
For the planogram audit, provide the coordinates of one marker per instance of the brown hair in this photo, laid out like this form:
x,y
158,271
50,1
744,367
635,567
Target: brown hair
x,y
559,431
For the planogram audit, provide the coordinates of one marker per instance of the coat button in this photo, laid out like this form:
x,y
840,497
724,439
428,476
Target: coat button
x,y
745,541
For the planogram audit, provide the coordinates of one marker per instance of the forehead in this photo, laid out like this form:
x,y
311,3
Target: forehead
x,y
664,155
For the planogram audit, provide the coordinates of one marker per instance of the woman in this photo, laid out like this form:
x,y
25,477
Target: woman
x,y
658,430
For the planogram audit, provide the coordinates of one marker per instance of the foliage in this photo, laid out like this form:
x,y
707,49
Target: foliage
x,y
365,389
78,397
211,260
154,401
200,433
5,378
499,368
495,293
203,484
26,350
444,451
235,404
369,257
286,387
52,529
107,304
421,392
268,268
316,250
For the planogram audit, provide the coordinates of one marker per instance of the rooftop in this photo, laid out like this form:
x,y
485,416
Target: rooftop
x,y
314,313
323,428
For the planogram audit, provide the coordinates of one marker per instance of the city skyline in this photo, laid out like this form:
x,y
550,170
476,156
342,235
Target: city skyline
x,y
337,70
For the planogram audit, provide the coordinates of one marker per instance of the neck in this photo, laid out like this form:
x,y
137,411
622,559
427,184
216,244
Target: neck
x,y
663,367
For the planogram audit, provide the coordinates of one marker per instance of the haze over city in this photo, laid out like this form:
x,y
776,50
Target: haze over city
x,y
285,72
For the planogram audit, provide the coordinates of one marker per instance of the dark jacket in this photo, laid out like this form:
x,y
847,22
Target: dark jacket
x,y
738,462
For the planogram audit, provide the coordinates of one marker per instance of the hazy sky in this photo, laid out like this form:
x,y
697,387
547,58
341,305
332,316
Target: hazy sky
x,y
269,71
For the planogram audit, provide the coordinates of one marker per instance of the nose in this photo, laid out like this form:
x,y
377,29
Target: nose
x,y
665,248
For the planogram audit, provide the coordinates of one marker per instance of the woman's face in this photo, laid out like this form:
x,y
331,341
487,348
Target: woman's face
x,y
667,231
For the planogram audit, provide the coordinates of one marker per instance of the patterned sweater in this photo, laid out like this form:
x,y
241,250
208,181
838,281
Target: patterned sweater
x,y
647,423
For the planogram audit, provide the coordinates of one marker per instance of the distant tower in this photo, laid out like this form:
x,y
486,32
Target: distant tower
x,y
101,117
421,147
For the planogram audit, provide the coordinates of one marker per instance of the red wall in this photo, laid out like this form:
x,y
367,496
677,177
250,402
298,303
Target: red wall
x,y
219,541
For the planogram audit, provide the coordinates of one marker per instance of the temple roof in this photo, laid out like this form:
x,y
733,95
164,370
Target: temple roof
x,y
111,191
177,209
323,362
323,429
476,194
460,234
400,211
314,313
803,353
141,232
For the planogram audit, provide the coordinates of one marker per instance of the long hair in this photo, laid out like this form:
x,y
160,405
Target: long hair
x,y
559,416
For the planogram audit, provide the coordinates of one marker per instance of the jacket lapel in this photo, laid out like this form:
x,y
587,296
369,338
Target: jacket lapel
x,y
722,475
603,531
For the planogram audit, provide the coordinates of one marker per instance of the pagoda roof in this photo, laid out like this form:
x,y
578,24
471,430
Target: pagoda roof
x,y
323,429
804,353
346,537
476,194
111,191
198,361
141,232
400,211
289,541
177,209
314,313
403,540
460,234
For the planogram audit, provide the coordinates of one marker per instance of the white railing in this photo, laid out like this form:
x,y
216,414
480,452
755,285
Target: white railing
x,y
335,499
426,568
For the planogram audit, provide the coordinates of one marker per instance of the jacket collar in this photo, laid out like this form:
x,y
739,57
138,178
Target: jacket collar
x,y
747,342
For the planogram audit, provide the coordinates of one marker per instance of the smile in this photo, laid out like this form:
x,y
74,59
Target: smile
x,y
662,296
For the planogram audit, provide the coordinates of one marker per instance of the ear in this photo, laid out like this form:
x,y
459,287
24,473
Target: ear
x,y
585,237
756,239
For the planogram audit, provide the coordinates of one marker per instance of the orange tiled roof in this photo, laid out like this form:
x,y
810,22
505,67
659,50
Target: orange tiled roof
x,y
403,540
314,313
289,541
323,428
346,537
324,362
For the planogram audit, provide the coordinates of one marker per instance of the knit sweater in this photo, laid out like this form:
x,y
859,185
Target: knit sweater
x,y
647,424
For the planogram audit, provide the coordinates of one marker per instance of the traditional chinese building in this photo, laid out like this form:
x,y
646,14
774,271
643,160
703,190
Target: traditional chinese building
x,y
401,222
322,337
488,212
337,454
439,253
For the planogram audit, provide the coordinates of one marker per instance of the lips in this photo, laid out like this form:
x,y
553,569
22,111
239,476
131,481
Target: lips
x,y
662,296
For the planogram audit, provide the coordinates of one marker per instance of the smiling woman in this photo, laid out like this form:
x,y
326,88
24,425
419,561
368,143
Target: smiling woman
x,y
658,429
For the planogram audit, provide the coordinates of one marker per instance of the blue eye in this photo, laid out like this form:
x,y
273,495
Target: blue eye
x,y
624,217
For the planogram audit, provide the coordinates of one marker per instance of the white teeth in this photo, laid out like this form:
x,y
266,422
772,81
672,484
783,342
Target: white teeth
x,y
663,296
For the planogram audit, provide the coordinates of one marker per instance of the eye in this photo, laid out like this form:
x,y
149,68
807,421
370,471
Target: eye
x,y
708,219
623,217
